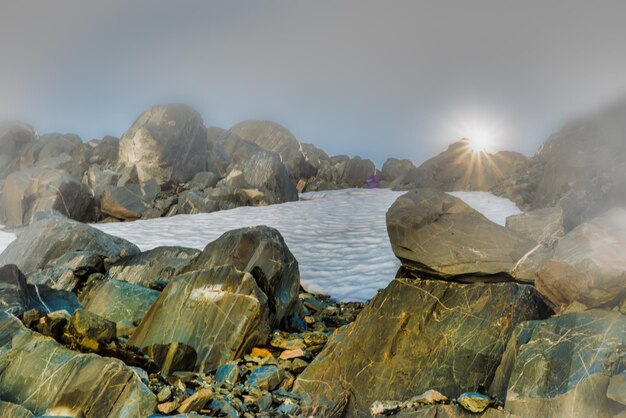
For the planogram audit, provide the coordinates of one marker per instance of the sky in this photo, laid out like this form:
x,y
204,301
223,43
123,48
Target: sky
x,y
371,78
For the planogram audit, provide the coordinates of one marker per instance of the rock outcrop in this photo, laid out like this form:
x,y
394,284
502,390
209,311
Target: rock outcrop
x,y
262,252
53,150
30,192
41,244
588,267
564,367
394,168
167,144
220,313
460,168
15,137
436,234
47,379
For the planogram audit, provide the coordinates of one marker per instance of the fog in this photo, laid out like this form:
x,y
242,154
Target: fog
x,y
361,77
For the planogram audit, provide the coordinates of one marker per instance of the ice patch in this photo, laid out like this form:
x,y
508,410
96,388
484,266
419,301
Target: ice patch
x,y
338,237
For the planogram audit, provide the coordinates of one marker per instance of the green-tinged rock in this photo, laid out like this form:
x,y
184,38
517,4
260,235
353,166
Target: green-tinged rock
x,y
474,402
8,409
116,300
563,366
219,312
85,324
158,264
48,379
428,334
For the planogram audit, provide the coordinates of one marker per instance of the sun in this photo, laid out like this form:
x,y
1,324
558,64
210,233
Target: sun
x,y
479,143
481,135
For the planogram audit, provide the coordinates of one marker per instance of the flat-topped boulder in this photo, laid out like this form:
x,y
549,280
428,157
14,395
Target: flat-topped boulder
x,y
166,143
33,191
588,266
61,382
42,243
564,366
434,233
418,335
262,252
220,312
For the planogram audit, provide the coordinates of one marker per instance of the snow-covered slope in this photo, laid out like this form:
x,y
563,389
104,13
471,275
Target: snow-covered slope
x,y
339,238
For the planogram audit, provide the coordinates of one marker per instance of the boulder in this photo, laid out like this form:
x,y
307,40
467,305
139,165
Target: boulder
x,y
13,290
394,168
459,168
418,335
32,191
45,241
543,225
14,138
47,379
262,252
98,180
160,265
117,301
588,266
47,300
104,152
69,271
130,201
203,180
68,147
87,325
354,172
563,366
221,313
277,139
166,143
8,409
433,233
262,176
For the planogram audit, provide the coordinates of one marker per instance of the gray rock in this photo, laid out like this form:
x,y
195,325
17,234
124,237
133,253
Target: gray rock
x,y
130,201
167,144
353,172
85,324
14,138
32,191
588,265
434,233
275,138
69,271
474,402
543,225
221,313
562,366
104,152
116,300
98,180
428,334
203,180
266,377
59,381
54,145
262,252
13,290
43,242
8,409
394,168
227,373
159,264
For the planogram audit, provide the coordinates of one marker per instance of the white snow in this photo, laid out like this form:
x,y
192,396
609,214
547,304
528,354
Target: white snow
x,y
338,237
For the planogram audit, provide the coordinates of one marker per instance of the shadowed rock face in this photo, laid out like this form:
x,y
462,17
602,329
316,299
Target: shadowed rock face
x,y
434,233
167,143
117,301
33,191
273,137
461,169
220,312
262,252
563,366
43,242
13,290
418,335
159,264
48,379
589,264
130,201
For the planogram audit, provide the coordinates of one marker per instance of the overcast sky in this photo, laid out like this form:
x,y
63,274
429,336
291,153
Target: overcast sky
x,y
375,78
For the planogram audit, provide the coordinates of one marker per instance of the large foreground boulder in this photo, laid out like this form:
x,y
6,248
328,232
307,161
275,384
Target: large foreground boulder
x,y
276,138
565,367
47,379
434,233
33,191
154,267
42,243
220,313
262,252
418,335
166,143
589,265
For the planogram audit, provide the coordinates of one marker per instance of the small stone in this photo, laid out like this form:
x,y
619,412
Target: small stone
x,y
290,342
164,394
195,402
427,398
385,408
260,352
227,373
291,354
315,338
167,407
266,377
124,328
309,320
289,409
474,401
298,365
264,401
